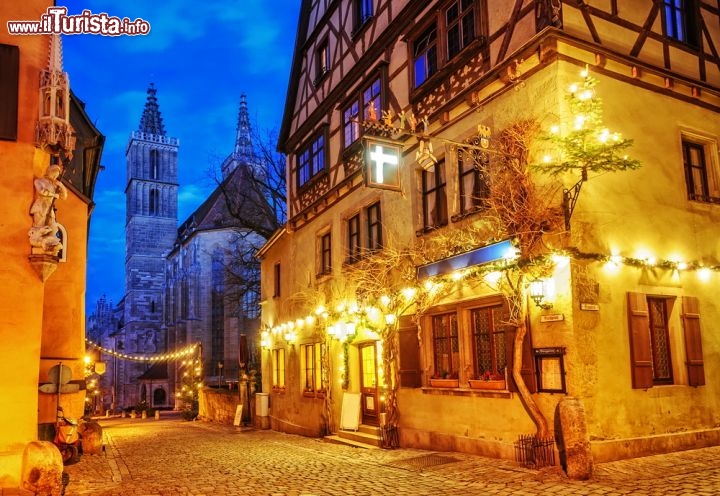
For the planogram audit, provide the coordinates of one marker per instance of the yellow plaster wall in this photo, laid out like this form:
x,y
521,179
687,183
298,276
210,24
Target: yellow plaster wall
x,y
35,318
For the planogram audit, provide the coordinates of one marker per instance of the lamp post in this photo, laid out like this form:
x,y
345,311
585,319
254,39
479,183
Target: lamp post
x,y
220,366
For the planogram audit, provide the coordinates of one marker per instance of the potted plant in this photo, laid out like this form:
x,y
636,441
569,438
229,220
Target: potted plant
x,y
445,379
489,380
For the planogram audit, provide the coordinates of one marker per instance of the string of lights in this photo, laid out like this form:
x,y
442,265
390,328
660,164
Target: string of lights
x,y
171,356
287,330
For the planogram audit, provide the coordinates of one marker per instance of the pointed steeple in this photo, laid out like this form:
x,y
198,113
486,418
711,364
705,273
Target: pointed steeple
x,y
151,121
244,152
243,142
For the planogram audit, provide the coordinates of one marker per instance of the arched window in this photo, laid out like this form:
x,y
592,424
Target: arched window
x,y
154,201
154,164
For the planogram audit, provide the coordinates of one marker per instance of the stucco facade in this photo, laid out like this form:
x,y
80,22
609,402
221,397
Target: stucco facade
x,y
630,333
43,314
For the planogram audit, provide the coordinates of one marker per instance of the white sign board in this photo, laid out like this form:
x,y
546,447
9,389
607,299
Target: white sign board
x,y
350,414
238,415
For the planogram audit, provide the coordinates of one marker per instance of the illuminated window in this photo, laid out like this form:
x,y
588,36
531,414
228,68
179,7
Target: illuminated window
x,y
278,363
489,343
446,352
311,367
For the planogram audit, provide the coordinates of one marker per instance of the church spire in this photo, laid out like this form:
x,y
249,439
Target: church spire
x,y
244,152
243,142
151,121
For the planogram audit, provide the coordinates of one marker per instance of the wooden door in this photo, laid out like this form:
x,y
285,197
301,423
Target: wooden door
x,y
368,383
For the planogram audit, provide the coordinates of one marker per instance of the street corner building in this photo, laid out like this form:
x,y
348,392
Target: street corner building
x,y
502,231
50,154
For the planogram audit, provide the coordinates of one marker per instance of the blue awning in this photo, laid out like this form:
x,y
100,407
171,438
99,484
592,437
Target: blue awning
x,y
478,256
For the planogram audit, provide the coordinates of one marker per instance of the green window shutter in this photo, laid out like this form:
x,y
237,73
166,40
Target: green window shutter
x,y
693,341
640,349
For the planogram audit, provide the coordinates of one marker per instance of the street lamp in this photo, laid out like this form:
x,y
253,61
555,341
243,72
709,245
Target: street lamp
x,y
220,366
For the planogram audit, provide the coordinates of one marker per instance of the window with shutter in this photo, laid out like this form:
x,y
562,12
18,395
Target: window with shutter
x,y
640,354
409,354
9,70
693,341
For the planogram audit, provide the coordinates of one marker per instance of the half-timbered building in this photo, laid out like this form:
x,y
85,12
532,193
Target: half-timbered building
x,y
394,114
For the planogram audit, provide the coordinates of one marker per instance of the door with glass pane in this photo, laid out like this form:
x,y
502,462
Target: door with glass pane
x,y
369,383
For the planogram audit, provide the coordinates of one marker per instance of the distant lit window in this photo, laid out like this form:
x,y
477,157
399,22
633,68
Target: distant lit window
x,y
681,21
310,367
278,362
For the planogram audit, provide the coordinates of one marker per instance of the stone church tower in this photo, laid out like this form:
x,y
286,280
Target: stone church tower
x,y
151,197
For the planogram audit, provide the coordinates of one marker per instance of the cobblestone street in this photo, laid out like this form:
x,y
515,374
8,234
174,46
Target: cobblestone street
x,y
147,457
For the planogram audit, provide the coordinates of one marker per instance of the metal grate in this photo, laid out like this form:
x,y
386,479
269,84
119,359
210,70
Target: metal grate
x,y
534,452
422,462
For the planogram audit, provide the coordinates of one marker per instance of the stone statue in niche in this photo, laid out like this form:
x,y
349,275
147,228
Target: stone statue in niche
x,y
43,233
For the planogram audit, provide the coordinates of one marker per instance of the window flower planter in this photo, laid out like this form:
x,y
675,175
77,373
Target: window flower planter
x,y
493,384
445,383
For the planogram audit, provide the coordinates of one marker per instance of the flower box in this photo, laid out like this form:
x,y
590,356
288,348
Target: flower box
x,y
445,383
494,384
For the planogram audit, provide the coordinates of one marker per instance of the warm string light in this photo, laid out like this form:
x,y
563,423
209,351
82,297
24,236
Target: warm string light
x,y
341,326
175,355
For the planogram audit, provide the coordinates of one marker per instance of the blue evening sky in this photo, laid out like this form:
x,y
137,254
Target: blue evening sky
x,y
201,57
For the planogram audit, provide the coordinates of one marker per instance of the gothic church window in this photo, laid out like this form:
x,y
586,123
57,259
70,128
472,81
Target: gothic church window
x,y
154,164
154,202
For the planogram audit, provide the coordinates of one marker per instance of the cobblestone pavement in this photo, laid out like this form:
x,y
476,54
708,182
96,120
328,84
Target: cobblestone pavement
x,y
148,457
